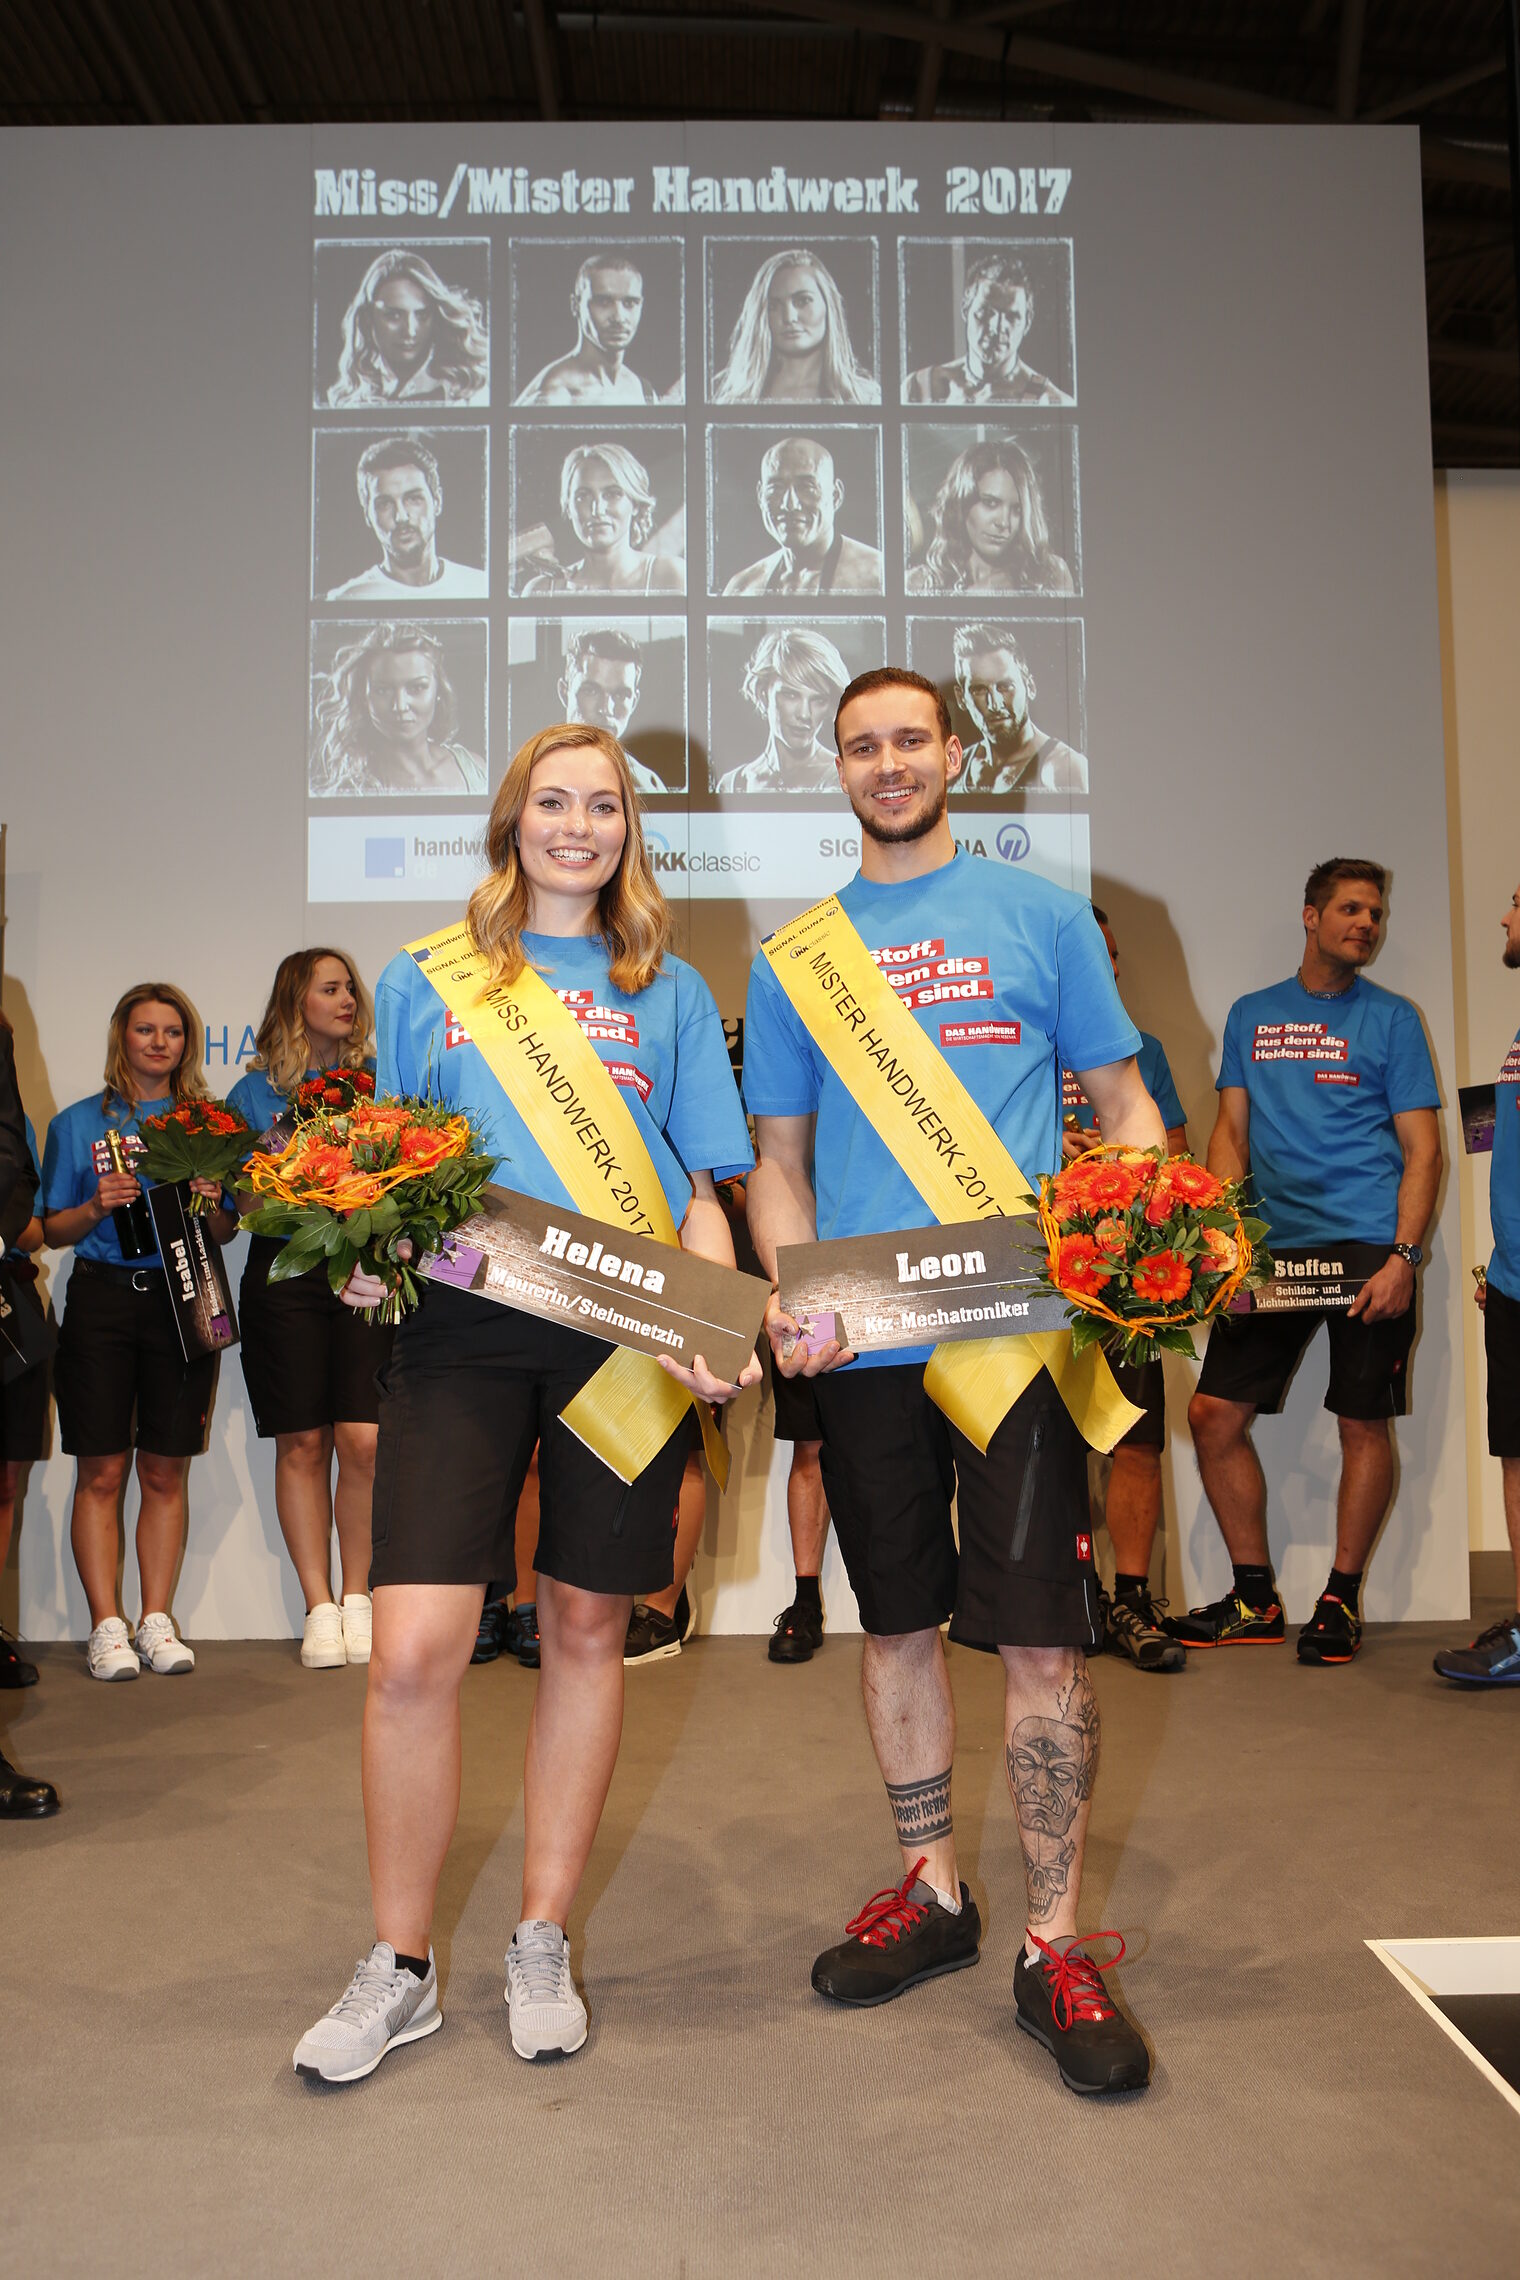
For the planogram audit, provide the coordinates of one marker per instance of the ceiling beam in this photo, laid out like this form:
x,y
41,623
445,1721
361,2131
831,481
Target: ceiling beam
x,y
244,70
1421,98
1462,162
1348,64
1081,67
103,17
930,62
1467,356
541,50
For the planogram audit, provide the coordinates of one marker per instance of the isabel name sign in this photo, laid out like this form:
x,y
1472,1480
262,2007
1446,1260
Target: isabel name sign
x,y
556,1264
977,1279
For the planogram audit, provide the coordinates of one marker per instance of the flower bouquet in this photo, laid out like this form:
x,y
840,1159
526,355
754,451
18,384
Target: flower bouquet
x,y
198,1140
1146,1246
358,1181
331,1088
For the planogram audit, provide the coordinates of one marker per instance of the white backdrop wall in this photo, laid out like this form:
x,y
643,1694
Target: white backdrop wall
x,y
1258,679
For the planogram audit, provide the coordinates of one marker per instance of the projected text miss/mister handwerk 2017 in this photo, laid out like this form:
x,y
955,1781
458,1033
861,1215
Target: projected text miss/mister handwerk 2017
x,y
998,190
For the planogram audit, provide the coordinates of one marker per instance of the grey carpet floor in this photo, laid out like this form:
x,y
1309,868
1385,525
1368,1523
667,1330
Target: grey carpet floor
x,y
202,1896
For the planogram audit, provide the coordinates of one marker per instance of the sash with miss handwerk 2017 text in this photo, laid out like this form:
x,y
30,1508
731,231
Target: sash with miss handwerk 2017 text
x,y
558,1084
923,1113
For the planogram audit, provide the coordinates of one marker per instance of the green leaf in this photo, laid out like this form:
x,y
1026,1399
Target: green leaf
x,y
359,1227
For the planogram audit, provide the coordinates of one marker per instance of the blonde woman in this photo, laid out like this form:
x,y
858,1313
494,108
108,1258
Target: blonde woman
x,y
791,344
309,1362
119,1374
605,497
473,1384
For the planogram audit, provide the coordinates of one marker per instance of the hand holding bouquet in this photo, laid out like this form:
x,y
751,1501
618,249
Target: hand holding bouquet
x,y
360,1180
1146,1246
198,1140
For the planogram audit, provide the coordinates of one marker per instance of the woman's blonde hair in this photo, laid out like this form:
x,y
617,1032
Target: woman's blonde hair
x,y
185,1081
284,1049
633,919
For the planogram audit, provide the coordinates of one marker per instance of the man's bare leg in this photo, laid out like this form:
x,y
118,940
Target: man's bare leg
x,y
1050,1751
911,1715
1233,1480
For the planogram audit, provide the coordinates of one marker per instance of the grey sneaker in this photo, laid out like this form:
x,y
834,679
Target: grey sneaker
x,y
548,2018
379,2008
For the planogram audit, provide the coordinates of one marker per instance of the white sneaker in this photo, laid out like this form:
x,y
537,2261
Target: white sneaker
x,y
110,1650
546,2015
357,1619
322,1645
379,2008
160,1649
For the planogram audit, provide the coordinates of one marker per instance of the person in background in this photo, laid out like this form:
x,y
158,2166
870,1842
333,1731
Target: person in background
x,y
309,1361
797,1633
410,338
509,1618
990,528
791,340
660,1625
119,1374
21,1798
23,1399
1132,1502
1327,1101
1493,1659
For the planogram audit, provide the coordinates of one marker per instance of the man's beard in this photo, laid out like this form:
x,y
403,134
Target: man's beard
x,y
901,835
1512,952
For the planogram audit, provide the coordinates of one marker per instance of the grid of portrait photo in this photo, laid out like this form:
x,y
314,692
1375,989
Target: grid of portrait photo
x,y
684,486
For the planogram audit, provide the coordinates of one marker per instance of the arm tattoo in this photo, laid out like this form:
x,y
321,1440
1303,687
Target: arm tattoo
x,y
921,1809
1052,1765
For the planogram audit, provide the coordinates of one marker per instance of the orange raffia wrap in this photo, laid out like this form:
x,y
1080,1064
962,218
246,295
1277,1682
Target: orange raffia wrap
x,y
296,1175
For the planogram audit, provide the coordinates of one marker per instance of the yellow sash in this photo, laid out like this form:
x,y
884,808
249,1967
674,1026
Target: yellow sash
x,y
929,1122
558,1084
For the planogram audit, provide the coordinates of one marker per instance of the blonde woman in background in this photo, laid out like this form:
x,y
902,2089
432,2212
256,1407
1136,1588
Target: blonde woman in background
x,y
791,344
309,1361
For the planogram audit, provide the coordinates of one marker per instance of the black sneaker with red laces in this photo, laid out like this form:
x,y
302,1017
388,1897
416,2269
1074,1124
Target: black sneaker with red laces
x,y
1333,1633
1061,2000
796,1634
902,1935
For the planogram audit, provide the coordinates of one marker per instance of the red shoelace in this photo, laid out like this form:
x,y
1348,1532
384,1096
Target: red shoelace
x,y
888,1914
1077,1993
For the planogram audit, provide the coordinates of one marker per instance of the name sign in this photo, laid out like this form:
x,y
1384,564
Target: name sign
x,y
195,1274
1303,1276
622,1287
974,1278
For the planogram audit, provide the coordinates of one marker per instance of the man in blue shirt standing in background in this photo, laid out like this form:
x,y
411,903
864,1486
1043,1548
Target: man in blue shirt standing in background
x,y
1327,1098
1493,1659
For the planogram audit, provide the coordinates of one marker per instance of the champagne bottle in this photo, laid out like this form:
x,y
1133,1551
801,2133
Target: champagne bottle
x,y
133,1221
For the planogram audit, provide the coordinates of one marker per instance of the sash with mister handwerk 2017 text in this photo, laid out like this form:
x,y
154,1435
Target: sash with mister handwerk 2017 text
x,y
558,1083
919,1108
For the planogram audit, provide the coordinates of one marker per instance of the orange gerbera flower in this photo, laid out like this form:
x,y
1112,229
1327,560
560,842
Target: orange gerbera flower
x,y
1080,1269
1162,1278
1098,1184
1190,1183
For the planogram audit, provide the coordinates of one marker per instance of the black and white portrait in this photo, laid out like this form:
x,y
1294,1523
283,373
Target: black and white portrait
x,y
772,694
795,323
598,323
1016,690
987,321
628,678
792,513
398,708
402,324
399,516
992,510
599,513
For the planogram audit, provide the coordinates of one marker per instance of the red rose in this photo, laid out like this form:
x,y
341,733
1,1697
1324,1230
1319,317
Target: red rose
x,y
1162,1278
423,1149
1111,1237
324,1167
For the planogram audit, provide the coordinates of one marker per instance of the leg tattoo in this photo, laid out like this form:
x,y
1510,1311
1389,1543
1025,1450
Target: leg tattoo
x,y
921,1809
1052,1765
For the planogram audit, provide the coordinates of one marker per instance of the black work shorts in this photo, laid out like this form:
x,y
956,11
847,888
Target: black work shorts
x,y
469,1389
1501,1344
24,1401
796,1407
119,1374
308,1360
1023,1576
1144,1384
1251,1357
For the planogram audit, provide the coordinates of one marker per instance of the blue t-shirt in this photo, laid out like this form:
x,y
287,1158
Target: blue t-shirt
x,y
1504,1178
15,1251
71,1172
1325,1078
1006,974
259,1100
664,1049
1157,1078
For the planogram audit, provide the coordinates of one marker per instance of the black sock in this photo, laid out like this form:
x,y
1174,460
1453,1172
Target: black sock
x,y
1129,1586
415,1964
1257,1586
1346,1588
808,1593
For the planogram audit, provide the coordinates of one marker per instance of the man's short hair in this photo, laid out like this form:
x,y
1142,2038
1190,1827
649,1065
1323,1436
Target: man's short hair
x,y
895,677
398,451
603,641
997,269
1100,915
982,641
610,259
1320,884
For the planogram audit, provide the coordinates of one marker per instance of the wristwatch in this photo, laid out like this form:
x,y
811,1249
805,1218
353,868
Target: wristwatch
x,y
1409,1251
